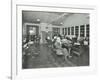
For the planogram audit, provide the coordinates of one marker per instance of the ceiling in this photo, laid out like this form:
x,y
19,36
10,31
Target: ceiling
x,y
55,18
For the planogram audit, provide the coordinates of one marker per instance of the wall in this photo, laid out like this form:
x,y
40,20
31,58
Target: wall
x,y
48,27
44,28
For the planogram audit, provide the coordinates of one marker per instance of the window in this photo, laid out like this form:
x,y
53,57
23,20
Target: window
x,y
68,30
72,30
87,30
76,30
82,30
65,31
56,30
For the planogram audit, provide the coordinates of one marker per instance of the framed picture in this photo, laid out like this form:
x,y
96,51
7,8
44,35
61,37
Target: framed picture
x,y
53,40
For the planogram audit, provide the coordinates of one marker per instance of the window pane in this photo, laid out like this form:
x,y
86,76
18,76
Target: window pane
x,y
76,30
87,30
82,31
65,31
72,30
68,30
55,30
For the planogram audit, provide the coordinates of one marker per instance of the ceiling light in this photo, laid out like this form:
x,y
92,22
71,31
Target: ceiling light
x,y
61,23
38,19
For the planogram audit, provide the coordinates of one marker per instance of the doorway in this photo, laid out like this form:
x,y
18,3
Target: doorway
x,y
32,31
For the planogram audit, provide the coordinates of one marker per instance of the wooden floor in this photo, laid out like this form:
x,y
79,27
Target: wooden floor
x,y
42,56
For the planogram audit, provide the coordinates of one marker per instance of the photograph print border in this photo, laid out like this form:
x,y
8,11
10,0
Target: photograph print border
x,y
15,72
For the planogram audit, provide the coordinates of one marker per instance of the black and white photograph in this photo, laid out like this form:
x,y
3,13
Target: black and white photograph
x,y
50,40
55,39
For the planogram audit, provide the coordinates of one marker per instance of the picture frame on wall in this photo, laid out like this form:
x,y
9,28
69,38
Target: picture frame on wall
x,y
35,51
